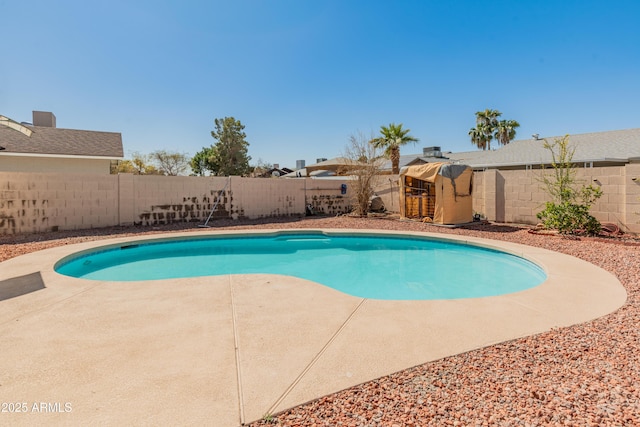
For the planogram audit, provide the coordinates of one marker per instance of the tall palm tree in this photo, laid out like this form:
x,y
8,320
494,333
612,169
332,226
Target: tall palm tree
x,y
392,138
486,123
478,138
506,131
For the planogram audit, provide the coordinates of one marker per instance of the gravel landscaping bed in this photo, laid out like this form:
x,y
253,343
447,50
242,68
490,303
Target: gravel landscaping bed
x,y
587,374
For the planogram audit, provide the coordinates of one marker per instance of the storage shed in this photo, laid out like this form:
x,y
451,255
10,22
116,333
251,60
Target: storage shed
x,y
438,191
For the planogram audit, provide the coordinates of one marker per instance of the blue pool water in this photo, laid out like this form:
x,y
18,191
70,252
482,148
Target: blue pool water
x,y
363,265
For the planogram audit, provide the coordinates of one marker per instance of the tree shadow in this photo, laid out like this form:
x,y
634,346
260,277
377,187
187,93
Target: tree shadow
x,y
21,285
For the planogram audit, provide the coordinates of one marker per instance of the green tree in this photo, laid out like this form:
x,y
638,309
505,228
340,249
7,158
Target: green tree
x,y
489,127
202,161
229,155
486,124
505,131
568,212
478,137
170,163
392,138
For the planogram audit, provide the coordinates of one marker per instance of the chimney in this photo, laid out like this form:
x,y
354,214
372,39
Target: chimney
x,y
276,165
321,159
44,118
300,164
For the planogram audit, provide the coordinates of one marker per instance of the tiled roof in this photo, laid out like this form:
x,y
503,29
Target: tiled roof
x,y
55,141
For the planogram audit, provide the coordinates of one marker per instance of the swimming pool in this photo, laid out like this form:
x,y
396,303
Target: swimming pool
x,y
376,266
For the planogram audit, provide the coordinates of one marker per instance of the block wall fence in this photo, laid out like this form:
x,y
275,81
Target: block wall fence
x,y
516,196
38,202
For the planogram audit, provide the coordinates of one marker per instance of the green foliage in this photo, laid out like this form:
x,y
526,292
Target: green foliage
x,y
200,163
569,218
488,127
229,155
569,210
392,138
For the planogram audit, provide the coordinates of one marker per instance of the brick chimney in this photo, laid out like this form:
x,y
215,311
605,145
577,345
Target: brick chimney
x,y
44,118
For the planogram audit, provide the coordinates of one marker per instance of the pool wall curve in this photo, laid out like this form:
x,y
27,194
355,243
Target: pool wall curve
x,y
366,264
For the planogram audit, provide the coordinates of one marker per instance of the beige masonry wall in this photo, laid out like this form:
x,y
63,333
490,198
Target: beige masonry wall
x,y
37,202
516,196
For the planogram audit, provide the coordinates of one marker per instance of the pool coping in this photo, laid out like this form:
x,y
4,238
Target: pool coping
x,y
252,345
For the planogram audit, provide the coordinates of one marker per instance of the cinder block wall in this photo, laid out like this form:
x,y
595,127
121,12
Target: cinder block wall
x,y
631,193
166,199
325,196
388,188
37,202
516,196
258,198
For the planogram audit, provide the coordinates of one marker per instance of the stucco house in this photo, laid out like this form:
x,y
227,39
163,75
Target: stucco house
x,y
42,147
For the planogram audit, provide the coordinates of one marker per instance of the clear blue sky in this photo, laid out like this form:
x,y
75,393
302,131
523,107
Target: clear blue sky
x,y
303,75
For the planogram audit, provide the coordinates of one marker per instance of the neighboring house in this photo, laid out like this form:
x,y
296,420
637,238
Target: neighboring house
x,y
274,172
42,147
610,148
302,173
429,155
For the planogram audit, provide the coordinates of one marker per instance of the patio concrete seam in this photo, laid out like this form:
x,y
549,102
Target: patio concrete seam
x,y
315,358
236,349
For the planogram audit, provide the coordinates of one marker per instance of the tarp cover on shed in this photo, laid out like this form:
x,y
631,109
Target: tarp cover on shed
x,y
453,186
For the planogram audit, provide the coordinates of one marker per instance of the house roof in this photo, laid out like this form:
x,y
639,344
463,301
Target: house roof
x,y
602,147
60,142
415,159
465,157
599,147
302,173
336,165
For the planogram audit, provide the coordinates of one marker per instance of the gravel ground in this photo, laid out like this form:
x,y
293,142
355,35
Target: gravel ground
x,y
583,375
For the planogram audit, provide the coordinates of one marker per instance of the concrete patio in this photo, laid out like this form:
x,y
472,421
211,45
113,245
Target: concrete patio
x,y
228,350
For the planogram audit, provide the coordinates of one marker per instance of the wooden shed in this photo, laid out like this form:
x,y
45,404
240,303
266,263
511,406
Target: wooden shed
x,y
438,191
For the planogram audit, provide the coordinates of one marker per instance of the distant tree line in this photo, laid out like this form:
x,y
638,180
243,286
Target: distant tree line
x,y
227,156
160,162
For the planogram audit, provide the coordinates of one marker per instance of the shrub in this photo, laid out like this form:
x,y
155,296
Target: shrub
x,y
569,212
567,217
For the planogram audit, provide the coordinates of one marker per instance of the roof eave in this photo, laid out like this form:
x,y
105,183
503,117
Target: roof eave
x,y
60,156
512,164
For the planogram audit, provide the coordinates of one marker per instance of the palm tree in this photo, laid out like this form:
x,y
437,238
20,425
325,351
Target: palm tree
x,y
392,138
486,124
506,131
478,137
